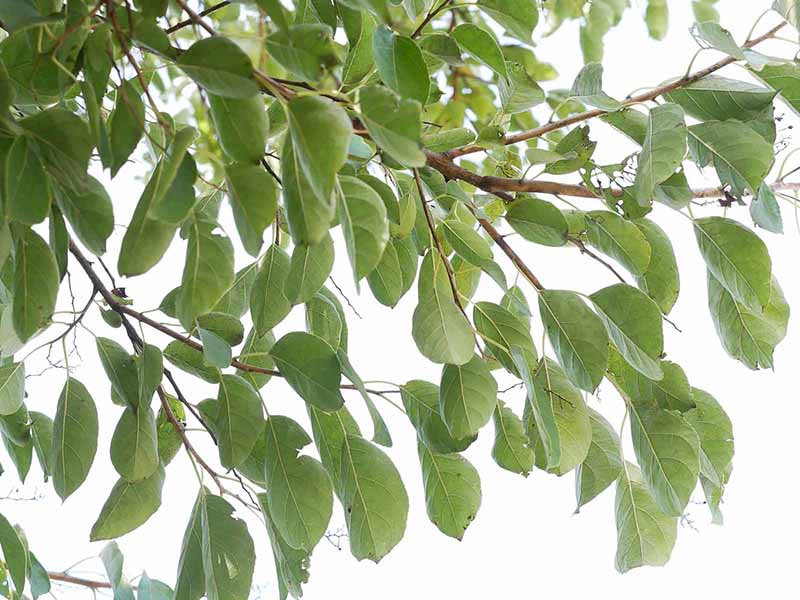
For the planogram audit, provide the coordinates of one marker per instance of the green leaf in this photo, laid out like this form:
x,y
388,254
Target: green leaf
x,y
308,216
784,79
511,449
381,433
175,175
364,223
325,318
299,492
242,125
89,212
482,45
254,199
113,561
321,133
716,98
207,273
395,274
502,330
603,463
578,337
227,550
36,282
645,535
747,336
268,302
588,88
74,438
400,64
557,420
311,368
15,554
738,152
668,451
633,322
671,392
715,431
152,589
169,441
661,279
620,239
120,369
239,421
537,221
126,124
27,188
374,498
190,360
291,565
236,301
220,66
134,445
765,210
467,242
518,17
255,352
452,490
129,505
421,401
737,258
520,92
467,397
12,388
42,434
663,150
394,123
305,49
309,269
150,371
439,328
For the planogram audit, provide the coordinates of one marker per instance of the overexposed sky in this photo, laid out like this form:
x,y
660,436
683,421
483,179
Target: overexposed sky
x,y
525,540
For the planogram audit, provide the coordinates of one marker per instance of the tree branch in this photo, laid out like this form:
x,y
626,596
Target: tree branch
x,y
638,99
191,21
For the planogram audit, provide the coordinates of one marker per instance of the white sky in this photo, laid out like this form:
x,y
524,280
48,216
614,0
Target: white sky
x,y
525,540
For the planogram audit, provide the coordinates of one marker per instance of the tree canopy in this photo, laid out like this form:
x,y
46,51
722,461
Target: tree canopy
x,y
422,142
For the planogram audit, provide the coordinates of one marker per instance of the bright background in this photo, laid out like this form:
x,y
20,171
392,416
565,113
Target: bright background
x,y
525,540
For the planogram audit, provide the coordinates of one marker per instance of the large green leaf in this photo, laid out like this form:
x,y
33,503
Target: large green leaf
x,y
220,66
645,535
557,420
311,368
400,64
511,449
737,258
577,335
254,199
299,492
126,124
134,445
633,322
309,269
74,438
482,45
321,132
661,279
291,565
129,505
747,336
668,450
364,223
538,221
27,190
603,463
716,98
190,360
440,330
36,282
452,490
395,274
240,420
663,150
305,49
467,397
518,17
120,369
89,212
588,88
394,123
12,387
241,124
374,498
620,239
671,392
738,152
268,302
785,79
421,402
502,330
715,431
207,273
15,554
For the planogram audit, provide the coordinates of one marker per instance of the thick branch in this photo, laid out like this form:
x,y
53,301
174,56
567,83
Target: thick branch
x,y
87,583
638,99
